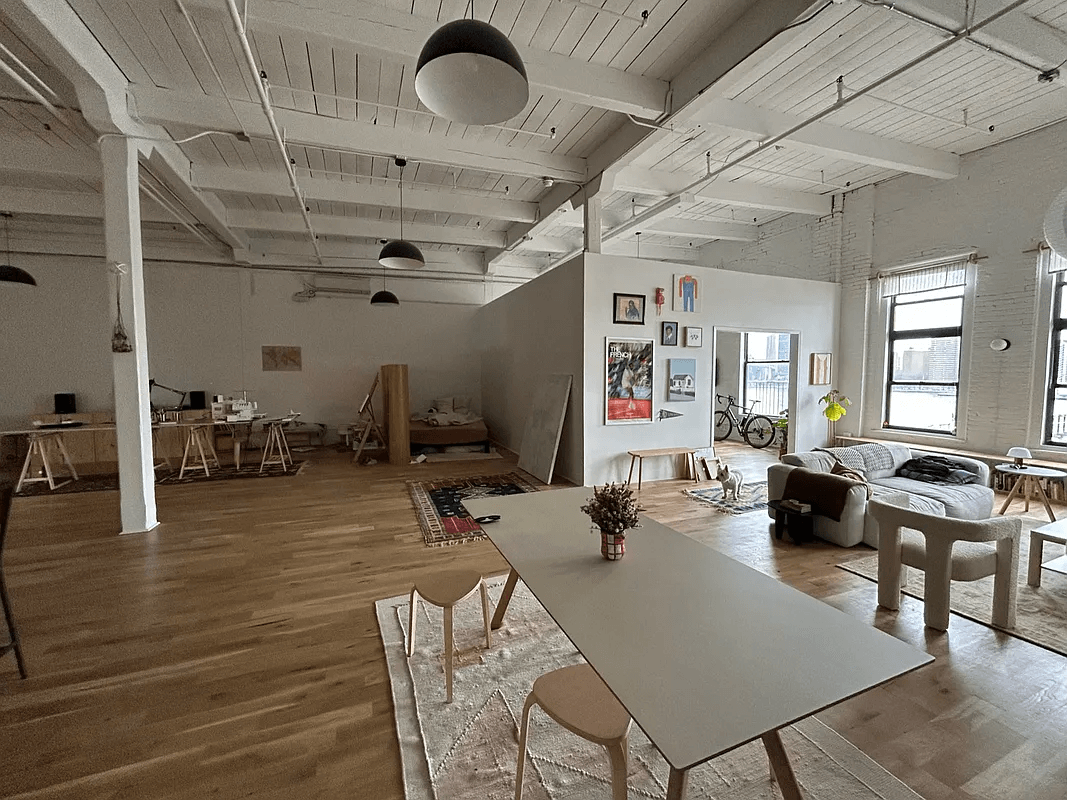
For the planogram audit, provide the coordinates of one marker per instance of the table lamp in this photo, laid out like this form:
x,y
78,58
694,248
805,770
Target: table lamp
x,y
1019,453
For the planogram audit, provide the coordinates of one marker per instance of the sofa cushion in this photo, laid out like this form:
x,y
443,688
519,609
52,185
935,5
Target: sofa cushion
x,y
969,501
927,505
815,460
876,459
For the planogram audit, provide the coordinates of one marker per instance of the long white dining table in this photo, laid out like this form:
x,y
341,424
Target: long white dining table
x,y
705,653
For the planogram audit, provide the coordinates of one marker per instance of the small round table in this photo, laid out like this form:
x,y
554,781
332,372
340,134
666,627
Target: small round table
x,y
1029,477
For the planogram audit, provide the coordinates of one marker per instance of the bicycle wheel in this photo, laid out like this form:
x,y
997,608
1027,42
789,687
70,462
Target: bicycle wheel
x,y
759,431
724,426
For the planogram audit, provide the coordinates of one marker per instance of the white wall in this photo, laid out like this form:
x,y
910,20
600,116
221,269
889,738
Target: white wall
x,y
730,300
997,205
728,357
206,326
531,332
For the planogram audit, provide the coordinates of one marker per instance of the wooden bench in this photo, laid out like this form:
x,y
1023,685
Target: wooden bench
x,y
638,457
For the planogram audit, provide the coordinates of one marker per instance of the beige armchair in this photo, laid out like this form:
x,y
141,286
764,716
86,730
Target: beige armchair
x,y
946,550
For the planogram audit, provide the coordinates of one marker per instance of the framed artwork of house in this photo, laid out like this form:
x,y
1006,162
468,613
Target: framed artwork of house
x,y
682,379
820,369
628,384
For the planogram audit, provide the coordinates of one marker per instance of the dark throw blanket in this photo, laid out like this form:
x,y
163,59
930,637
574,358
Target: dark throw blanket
x,y
937,469
825,491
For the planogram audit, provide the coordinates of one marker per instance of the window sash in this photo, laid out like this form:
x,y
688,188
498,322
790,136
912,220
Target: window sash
x,y
1052,262
941,275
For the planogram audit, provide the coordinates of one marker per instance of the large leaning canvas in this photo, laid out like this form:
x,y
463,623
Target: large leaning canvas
x,y
544,426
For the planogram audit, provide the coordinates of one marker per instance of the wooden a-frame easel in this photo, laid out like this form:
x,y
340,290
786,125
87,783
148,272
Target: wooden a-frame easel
x,y
367,420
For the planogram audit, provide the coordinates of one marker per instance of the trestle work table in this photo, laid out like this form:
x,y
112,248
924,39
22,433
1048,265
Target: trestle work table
x,y
705,653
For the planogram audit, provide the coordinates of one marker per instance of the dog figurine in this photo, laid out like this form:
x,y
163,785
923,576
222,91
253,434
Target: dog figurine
x,y
731,480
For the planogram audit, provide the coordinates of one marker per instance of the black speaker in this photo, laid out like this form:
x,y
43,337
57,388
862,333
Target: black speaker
x,y
197,400
65,403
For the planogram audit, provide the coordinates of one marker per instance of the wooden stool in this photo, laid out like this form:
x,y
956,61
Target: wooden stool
x,y
577,699
444,590
276,449
198,437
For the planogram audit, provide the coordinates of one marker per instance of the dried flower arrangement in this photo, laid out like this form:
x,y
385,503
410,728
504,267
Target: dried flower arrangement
x,y
613,508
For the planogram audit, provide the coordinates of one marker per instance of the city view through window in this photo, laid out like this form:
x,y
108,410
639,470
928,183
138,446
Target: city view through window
x,y
767,372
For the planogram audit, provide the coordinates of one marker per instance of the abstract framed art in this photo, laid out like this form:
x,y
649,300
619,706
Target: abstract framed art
x,y
694,337
820,369
628,383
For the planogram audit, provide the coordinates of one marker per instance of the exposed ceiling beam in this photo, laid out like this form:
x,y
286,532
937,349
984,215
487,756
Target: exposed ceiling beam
x,y
465,260
643,222
657,252
446,201
399,36
547,244
703,229
757,124
734,193
28,154
169,107
70,204
328,225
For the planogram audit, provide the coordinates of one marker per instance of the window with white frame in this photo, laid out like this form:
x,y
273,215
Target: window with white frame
x,y
766,371
924,342
1055,428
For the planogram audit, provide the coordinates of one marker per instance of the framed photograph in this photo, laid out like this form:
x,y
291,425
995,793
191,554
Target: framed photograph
x,y
629,309
278,358
628,381
685,295
820,369
694,337
682,379
669,335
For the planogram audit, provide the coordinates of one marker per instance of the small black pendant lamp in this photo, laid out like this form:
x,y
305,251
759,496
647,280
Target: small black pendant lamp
x,y
470,72
8,272
399,253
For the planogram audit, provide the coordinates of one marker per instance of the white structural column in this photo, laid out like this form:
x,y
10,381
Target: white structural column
x,y
593,226
122,241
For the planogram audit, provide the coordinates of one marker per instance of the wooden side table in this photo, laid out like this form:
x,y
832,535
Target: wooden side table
x,y
801,524
1053,532
1028,479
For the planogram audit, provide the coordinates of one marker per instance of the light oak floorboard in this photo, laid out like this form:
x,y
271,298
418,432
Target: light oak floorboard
x,y
234,651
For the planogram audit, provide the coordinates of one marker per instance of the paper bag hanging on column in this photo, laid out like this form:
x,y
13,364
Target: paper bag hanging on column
x,y
120,342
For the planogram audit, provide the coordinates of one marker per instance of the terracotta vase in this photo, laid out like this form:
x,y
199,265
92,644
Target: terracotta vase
x,y
612,545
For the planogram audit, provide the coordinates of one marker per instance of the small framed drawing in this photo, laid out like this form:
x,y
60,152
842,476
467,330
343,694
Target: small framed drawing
x,y
820,369
694,337
670,334
629,309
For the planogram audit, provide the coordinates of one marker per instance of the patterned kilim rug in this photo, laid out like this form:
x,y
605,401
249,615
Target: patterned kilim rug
x,y
753,497
439,504
467,750
1041,613
106,483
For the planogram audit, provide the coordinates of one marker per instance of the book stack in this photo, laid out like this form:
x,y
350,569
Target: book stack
x,y
797,506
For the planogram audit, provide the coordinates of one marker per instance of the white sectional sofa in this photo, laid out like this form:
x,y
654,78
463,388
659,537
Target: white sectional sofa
x,y
880,463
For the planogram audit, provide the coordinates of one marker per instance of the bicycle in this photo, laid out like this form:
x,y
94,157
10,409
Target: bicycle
x,y
757,429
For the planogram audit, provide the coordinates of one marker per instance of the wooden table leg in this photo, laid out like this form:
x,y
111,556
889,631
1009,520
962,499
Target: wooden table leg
x,y
630,477
1044,500
780,766
677,783
640,466
505,598
1028,490
1016,489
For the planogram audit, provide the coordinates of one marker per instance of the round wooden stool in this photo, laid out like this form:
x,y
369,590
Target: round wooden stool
x,y
577,699
444,590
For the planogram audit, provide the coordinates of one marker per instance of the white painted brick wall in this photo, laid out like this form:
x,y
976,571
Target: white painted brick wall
x,y
996,205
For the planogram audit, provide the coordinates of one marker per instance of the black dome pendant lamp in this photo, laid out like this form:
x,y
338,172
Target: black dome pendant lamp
x,y
470,72
399,253
384,298
9,272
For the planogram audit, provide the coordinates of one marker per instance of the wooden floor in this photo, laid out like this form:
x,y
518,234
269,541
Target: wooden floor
x,y
234,652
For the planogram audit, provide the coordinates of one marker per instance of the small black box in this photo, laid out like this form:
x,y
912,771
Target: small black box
x,y
65,403
197,399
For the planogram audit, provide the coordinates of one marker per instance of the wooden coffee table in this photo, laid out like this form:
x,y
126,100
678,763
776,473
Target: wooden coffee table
x,y
1053,532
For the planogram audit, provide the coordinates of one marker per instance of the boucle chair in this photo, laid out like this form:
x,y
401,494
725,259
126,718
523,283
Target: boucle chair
x,y
946,550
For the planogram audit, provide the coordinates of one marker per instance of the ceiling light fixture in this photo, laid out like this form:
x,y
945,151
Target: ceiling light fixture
x,y
469,72
399,253
8,272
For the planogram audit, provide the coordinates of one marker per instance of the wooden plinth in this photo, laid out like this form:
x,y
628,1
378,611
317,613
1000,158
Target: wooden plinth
x,y
397,412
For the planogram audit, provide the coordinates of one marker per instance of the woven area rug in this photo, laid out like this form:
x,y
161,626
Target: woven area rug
x,y
468,750
1041,614
753,497
110,483
439,504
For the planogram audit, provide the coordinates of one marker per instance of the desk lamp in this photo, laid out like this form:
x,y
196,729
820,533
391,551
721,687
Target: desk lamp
x,y
1019,453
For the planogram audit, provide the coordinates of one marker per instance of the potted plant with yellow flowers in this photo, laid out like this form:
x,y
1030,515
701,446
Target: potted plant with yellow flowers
x,y
613,510
836,407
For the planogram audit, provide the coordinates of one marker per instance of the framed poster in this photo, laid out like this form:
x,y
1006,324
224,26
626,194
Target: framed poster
x,y
820,369
629,309
685,296
682,379
628,381
278,358
669,334
694,337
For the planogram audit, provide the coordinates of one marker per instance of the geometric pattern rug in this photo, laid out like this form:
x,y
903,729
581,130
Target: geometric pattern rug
x,y
110,482
752,497
1041,613
467,750
439,504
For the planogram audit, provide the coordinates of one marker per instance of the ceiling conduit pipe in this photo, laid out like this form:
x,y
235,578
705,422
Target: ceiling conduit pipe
x,y
264,101
696,185
40,98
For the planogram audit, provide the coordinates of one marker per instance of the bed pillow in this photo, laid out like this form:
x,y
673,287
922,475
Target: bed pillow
x,y
443,405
